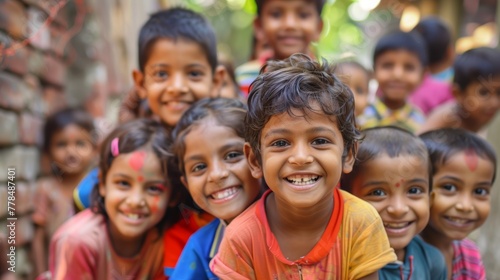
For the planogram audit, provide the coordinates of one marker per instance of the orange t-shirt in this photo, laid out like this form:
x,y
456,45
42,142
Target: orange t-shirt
x,y
353,245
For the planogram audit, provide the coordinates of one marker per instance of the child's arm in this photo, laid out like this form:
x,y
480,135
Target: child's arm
x,y
39,252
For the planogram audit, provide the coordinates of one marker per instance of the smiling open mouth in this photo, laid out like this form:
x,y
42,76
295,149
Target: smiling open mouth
x,y
225,193
301,180
397,225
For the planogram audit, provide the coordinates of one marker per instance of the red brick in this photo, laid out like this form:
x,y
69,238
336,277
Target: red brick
x,y
58,40
30,131
35,64
17,62
35,104
13,92
54,71
13,18
10,131
38,33
54,99
24,159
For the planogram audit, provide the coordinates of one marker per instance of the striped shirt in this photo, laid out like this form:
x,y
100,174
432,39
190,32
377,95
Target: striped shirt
x,y
467,262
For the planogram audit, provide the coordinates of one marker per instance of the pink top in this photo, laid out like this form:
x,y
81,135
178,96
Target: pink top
x,y
430,94
81,249
467,262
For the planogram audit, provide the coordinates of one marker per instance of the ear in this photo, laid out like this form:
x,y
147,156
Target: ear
x,y
349,159
218,79
257,29
138,78
102,187
184,181
457,93
253,163
320,29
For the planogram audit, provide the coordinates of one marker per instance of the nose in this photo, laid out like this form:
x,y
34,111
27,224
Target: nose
x,y
398,71
177,84
397,207
301,155
289,20
218,172
465,203
136,198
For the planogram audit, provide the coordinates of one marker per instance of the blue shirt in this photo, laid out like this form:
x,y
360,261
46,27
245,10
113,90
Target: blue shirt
x,y
199,251
81,194
422,262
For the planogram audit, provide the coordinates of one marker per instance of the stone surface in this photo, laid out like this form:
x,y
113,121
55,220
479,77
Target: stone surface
x,y
9,131
30,129
13,18
13,92
24,159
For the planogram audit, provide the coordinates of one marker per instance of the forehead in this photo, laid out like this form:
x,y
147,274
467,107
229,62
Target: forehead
x,y
288,4
179,51
71,131
398,55
491,81
298,120
403,166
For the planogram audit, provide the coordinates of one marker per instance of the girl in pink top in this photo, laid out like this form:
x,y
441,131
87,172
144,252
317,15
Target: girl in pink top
x,y
464,168
121,236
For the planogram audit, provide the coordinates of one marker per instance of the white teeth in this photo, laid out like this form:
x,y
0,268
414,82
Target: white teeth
x,y
458,221
396,225
302,179
133,216
225,193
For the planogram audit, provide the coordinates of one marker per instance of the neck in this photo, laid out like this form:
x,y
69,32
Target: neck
x,y
400,253
439,67
287,218
126,248
393,104
437,239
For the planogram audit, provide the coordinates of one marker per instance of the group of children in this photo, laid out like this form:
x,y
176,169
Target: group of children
x,y
282,185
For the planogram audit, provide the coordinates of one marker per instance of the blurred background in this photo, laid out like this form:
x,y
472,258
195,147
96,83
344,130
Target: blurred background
x,y
60,53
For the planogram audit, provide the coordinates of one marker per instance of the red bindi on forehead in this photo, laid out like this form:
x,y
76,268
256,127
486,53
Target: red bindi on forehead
x,y
471,159
136,160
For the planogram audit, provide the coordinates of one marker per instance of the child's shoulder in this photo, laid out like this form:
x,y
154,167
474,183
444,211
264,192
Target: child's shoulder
x,y
207,231
251,221
423,251
85,226
357,212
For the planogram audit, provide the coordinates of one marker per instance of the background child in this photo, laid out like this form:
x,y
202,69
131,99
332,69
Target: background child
x,y
70,144
209,144
177,63
301,137
288,26
392,173
476,87
177,66
399,60
121,237
464,168
433,91
357,78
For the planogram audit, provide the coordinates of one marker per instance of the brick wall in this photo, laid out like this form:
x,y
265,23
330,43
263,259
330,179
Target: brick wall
x,y
50,58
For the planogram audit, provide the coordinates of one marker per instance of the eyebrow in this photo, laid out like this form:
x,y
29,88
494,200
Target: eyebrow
x,y
122,175
452,178
315,129
225,147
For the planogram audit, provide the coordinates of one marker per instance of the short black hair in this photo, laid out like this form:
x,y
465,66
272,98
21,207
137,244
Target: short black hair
x,y
437,38
60,119
476,64
386,140
174,24
296,83
319,5
444,143
399,40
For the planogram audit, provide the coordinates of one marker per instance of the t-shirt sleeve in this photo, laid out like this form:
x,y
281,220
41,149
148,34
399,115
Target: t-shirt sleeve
x,y
71,258
369,249
190,264
233,260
